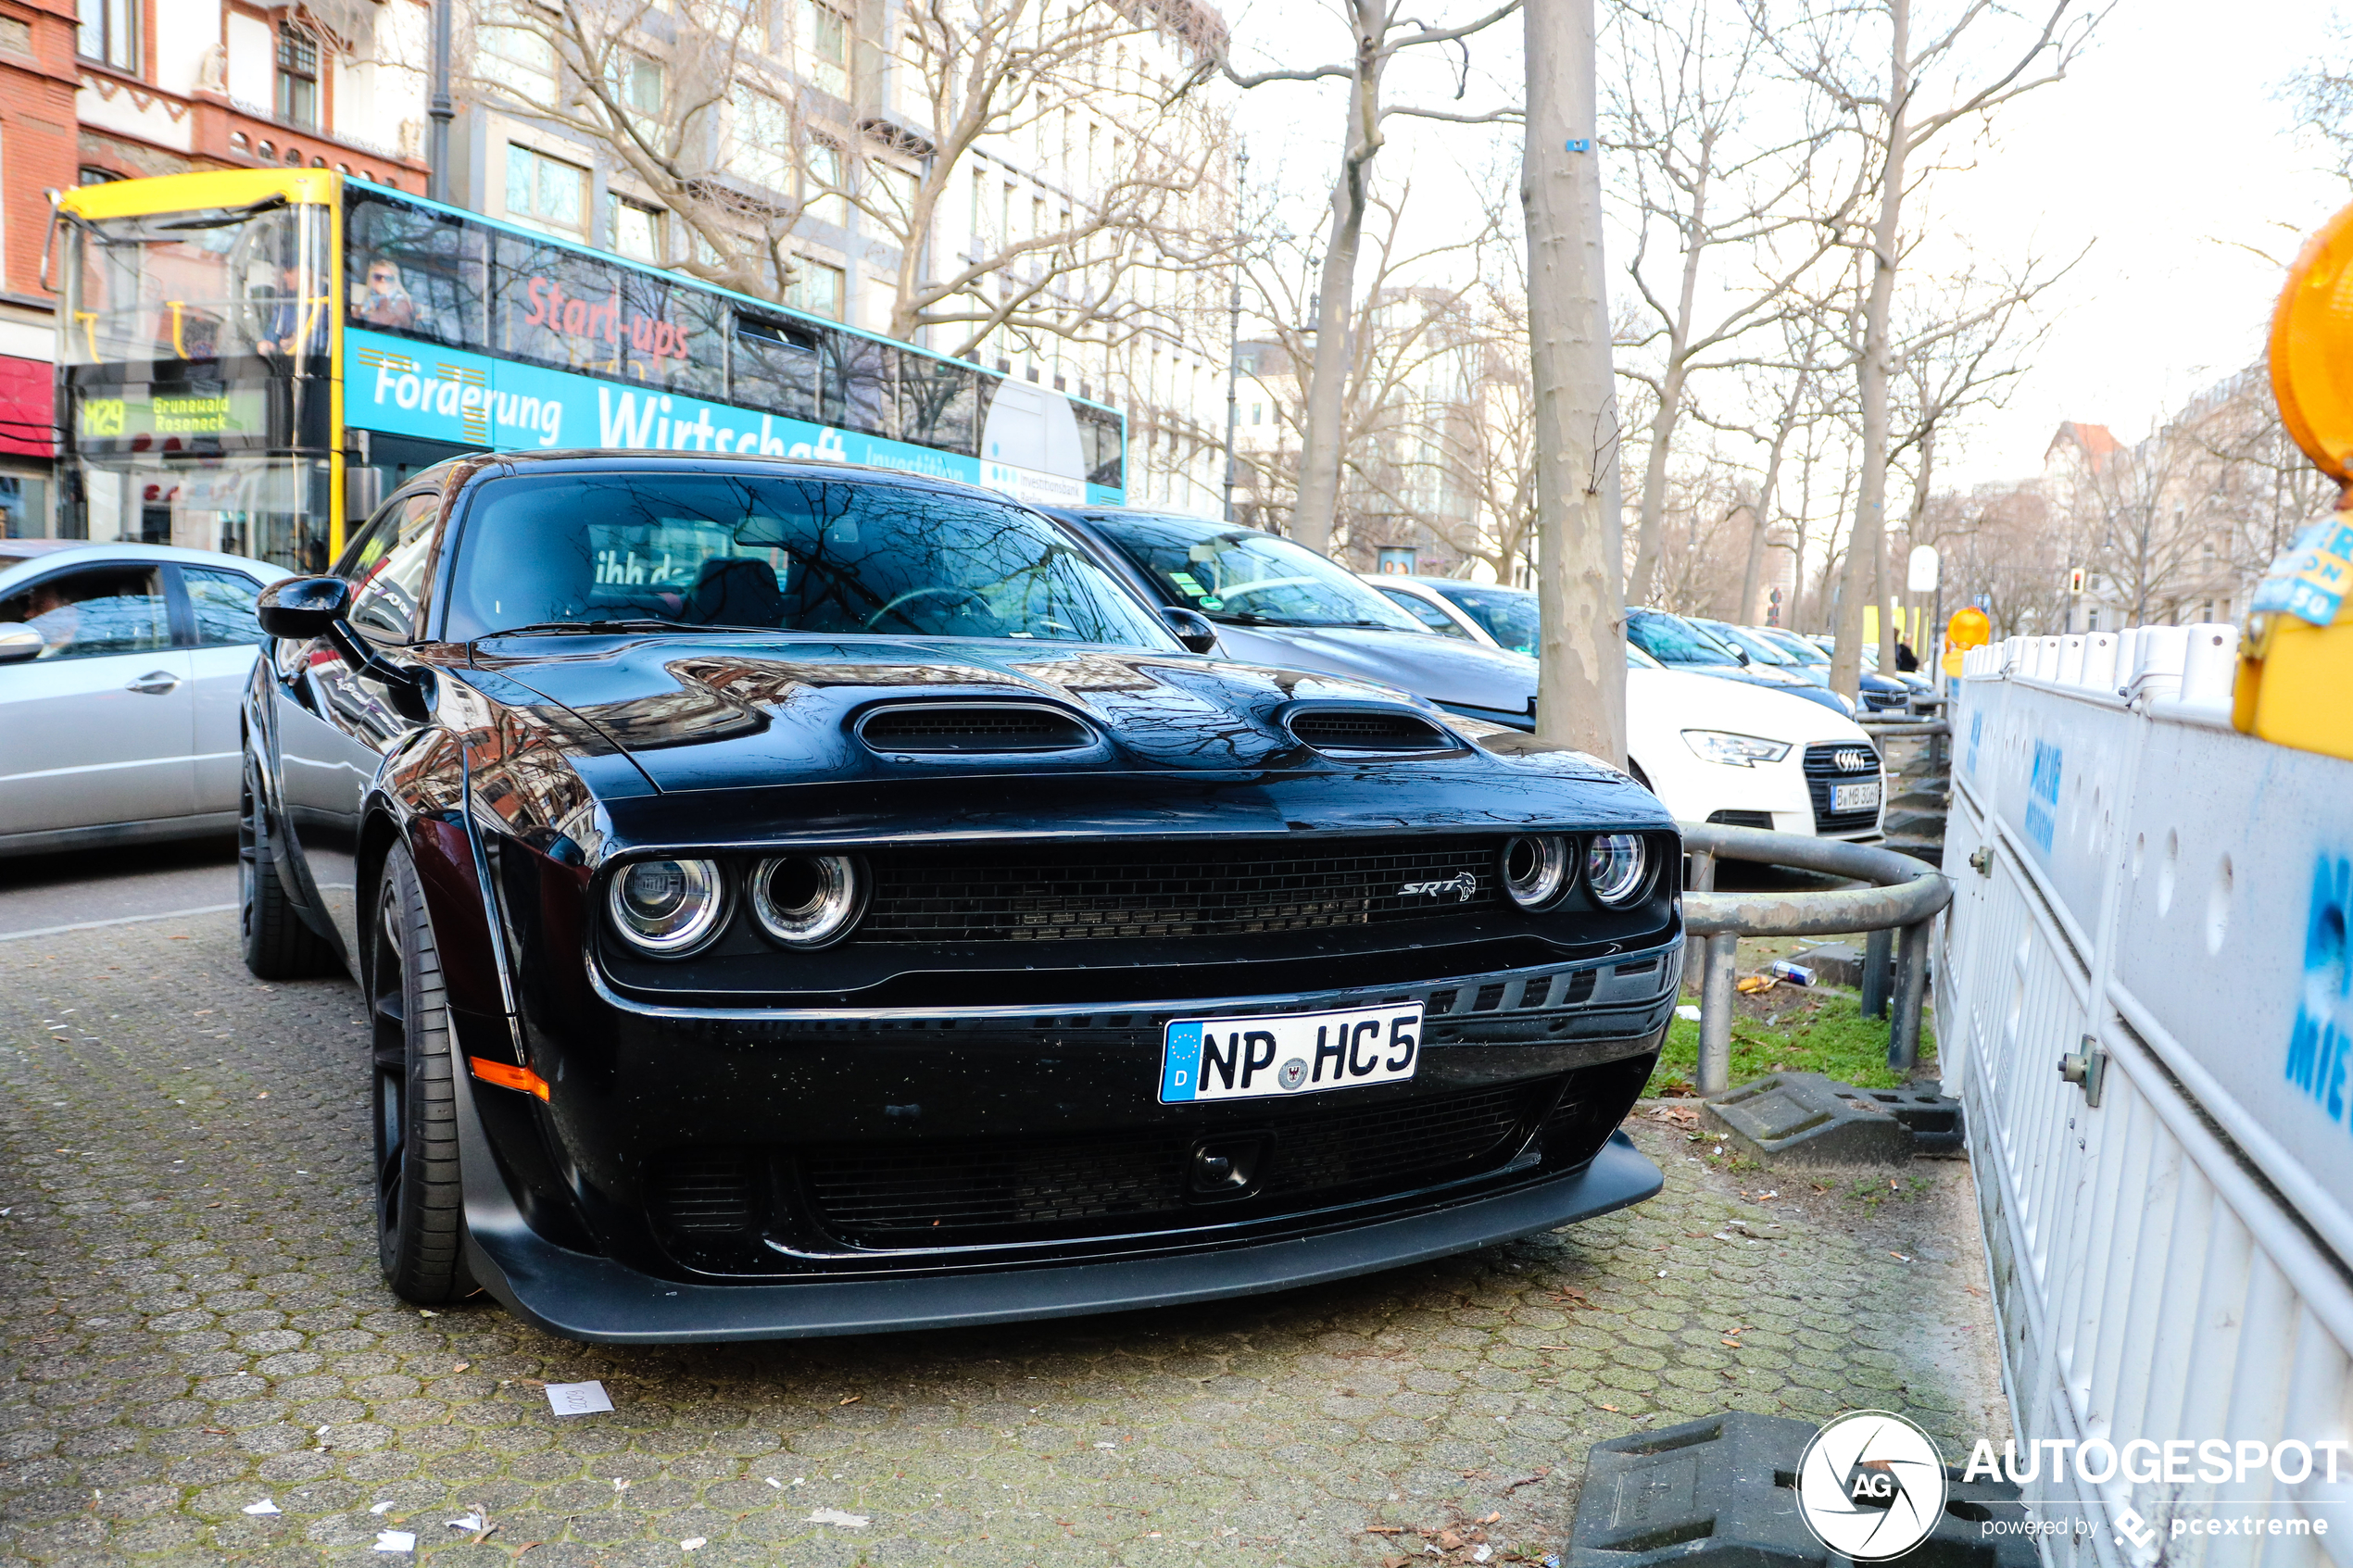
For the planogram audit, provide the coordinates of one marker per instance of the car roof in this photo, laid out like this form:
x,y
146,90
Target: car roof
x,y
76,552
596,460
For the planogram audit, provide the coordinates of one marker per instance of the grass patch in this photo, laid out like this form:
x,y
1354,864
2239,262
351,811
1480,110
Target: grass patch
x,y
1832,1038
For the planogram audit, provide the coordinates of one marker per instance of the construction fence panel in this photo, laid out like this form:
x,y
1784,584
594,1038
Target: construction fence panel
x,y
2137,884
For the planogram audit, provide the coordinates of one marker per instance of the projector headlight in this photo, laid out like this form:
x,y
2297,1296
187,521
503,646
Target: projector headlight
x,y
1616,868
667,908
1734,750
1536,869
807,901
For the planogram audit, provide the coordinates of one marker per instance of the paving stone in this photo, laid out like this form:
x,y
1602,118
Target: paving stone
x,y
188,1292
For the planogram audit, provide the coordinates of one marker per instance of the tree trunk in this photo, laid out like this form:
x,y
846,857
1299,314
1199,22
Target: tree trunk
x,y
1868,543
1321,439
1580,531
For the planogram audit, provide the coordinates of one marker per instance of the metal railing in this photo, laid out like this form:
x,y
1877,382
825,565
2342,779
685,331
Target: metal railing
x,y
1905,897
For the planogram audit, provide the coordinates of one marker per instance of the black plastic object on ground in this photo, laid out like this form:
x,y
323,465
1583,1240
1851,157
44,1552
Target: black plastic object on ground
x,y
1807,1119
1721,1493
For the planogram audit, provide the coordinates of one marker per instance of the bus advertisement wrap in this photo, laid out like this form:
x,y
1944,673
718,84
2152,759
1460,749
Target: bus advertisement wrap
x,y
441,394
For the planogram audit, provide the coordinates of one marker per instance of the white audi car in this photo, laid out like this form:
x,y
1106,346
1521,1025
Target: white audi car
x,y
122,669
1714,751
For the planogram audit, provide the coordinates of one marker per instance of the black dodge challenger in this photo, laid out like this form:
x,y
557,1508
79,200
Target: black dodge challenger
x,y
797,900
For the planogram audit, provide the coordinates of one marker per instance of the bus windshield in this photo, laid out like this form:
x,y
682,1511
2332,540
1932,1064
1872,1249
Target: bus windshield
x,y
748,552
219,283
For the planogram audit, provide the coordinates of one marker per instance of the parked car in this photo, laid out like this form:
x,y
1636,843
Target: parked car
x,y
122,666
1679,643
1488,613
1714,751
1275,601
1808,658
800,900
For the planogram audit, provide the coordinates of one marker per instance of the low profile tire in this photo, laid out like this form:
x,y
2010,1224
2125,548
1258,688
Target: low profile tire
x,y
278,945
421,1216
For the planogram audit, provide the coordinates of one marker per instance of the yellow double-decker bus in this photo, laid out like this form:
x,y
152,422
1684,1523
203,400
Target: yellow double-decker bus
x,y
248,358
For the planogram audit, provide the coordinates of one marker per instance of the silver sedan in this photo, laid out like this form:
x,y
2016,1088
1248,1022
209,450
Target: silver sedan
x,y
121,668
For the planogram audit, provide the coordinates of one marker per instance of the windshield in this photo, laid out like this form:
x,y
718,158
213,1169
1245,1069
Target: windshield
x,y
778,554
1236,575
1508,614
1800,651
216,284
1671,639
1758,648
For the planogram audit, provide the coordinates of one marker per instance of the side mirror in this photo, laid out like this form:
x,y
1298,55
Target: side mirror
x,y
20,642
1192,629
303,607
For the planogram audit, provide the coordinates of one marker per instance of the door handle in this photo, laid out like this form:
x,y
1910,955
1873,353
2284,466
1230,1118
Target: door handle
x,y
154,683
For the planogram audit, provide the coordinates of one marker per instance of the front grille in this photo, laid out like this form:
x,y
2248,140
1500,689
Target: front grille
x,y
915,1194
1834,763
1330,731
974,727
1217,889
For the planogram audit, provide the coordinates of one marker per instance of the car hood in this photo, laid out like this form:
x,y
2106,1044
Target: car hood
x,y
722,712
1447,672
1659,701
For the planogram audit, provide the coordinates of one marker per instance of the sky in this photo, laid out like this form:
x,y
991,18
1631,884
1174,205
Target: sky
x,y
2167,157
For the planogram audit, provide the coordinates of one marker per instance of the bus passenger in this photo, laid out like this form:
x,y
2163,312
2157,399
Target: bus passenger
x,y
387,301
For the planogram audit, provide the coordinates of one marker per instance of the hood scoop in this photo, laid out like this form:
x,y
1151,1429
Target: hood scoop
x,y
1377,731
973,728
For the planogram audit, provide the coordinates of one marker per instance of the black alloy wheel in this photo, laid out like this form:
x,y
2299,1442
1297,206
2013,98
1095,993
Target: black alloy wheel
x,y
420,1223
278,945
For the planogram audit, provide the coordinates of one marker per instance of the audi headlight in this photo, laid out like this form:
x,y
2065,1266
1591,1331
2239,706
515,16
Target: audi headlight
x,y
1535,869
1734,750
667,908
1615,867
807,901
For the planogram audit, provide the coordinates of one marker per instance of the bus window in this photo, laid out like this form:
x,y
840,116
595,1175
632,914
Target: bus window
x,y
939,404
553,306
862,380
413,271
775,368
1099,441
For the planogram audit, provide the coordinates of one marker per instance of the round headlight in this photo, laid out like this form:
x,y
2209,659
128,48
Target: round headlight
x,y
667,908
1615,864
1535,869
807,901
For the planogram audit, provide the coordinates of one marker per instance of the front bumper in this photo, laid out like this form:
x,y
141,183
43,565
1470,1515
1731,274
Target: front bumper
x,y
577,1296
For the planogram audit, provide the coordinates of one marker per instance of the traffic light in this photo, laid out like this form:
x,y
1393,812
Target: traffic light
x,y
2075,581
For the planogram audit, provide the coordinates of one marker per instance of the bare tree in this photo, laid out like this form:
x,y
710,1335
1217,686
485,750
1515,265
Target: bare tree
x,y
650,83
1579,530
2322,94
742,120
1378,36
1699,182
1886,84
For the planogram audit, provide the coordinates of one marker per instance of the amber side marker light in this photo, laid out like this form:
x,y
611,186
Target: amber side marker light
x,y
2312,330
508,1076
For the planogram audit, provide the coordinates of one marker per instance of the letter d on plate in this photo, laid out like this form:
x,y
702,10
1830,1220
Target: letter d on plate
x,y
1181,1063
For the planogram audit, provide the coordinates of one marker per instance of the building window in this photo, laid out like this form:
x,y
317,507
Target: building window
x,y
821,188
825,41
640,85
519,60
635,231
544,190
297,76
817,288
110,32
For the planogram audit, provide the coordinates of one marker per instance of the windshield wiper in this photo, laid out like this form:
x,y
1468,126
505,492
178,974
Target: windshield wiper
x,y
1279,621
643,623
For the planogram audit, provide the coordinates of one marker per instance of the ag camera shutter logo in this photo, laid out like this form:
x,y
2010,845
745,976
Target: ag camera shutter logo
x,y
1871,1486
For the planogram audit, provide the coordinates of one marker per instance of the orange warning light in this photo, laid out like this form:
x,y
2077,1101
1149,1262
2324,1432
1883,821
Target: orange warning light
x,y
2313,348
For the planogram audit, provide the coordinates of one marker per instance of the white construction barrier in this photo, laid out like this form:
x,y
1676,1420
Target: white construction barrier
x,y
2170,1234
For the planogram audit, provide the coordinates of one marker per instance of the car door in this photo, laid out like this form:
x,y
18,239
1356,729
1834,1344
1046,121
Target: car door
x,y
95,729
333,727
226,638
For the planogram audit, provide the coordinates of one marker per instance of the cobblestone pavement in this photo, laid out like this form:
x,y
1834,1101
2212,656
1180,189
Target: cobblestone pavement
x,y
191,1322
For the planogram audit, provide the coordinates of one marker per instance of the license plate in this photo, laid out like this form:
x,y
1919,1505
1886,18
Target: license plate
x,y
1295,1053
1855,796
